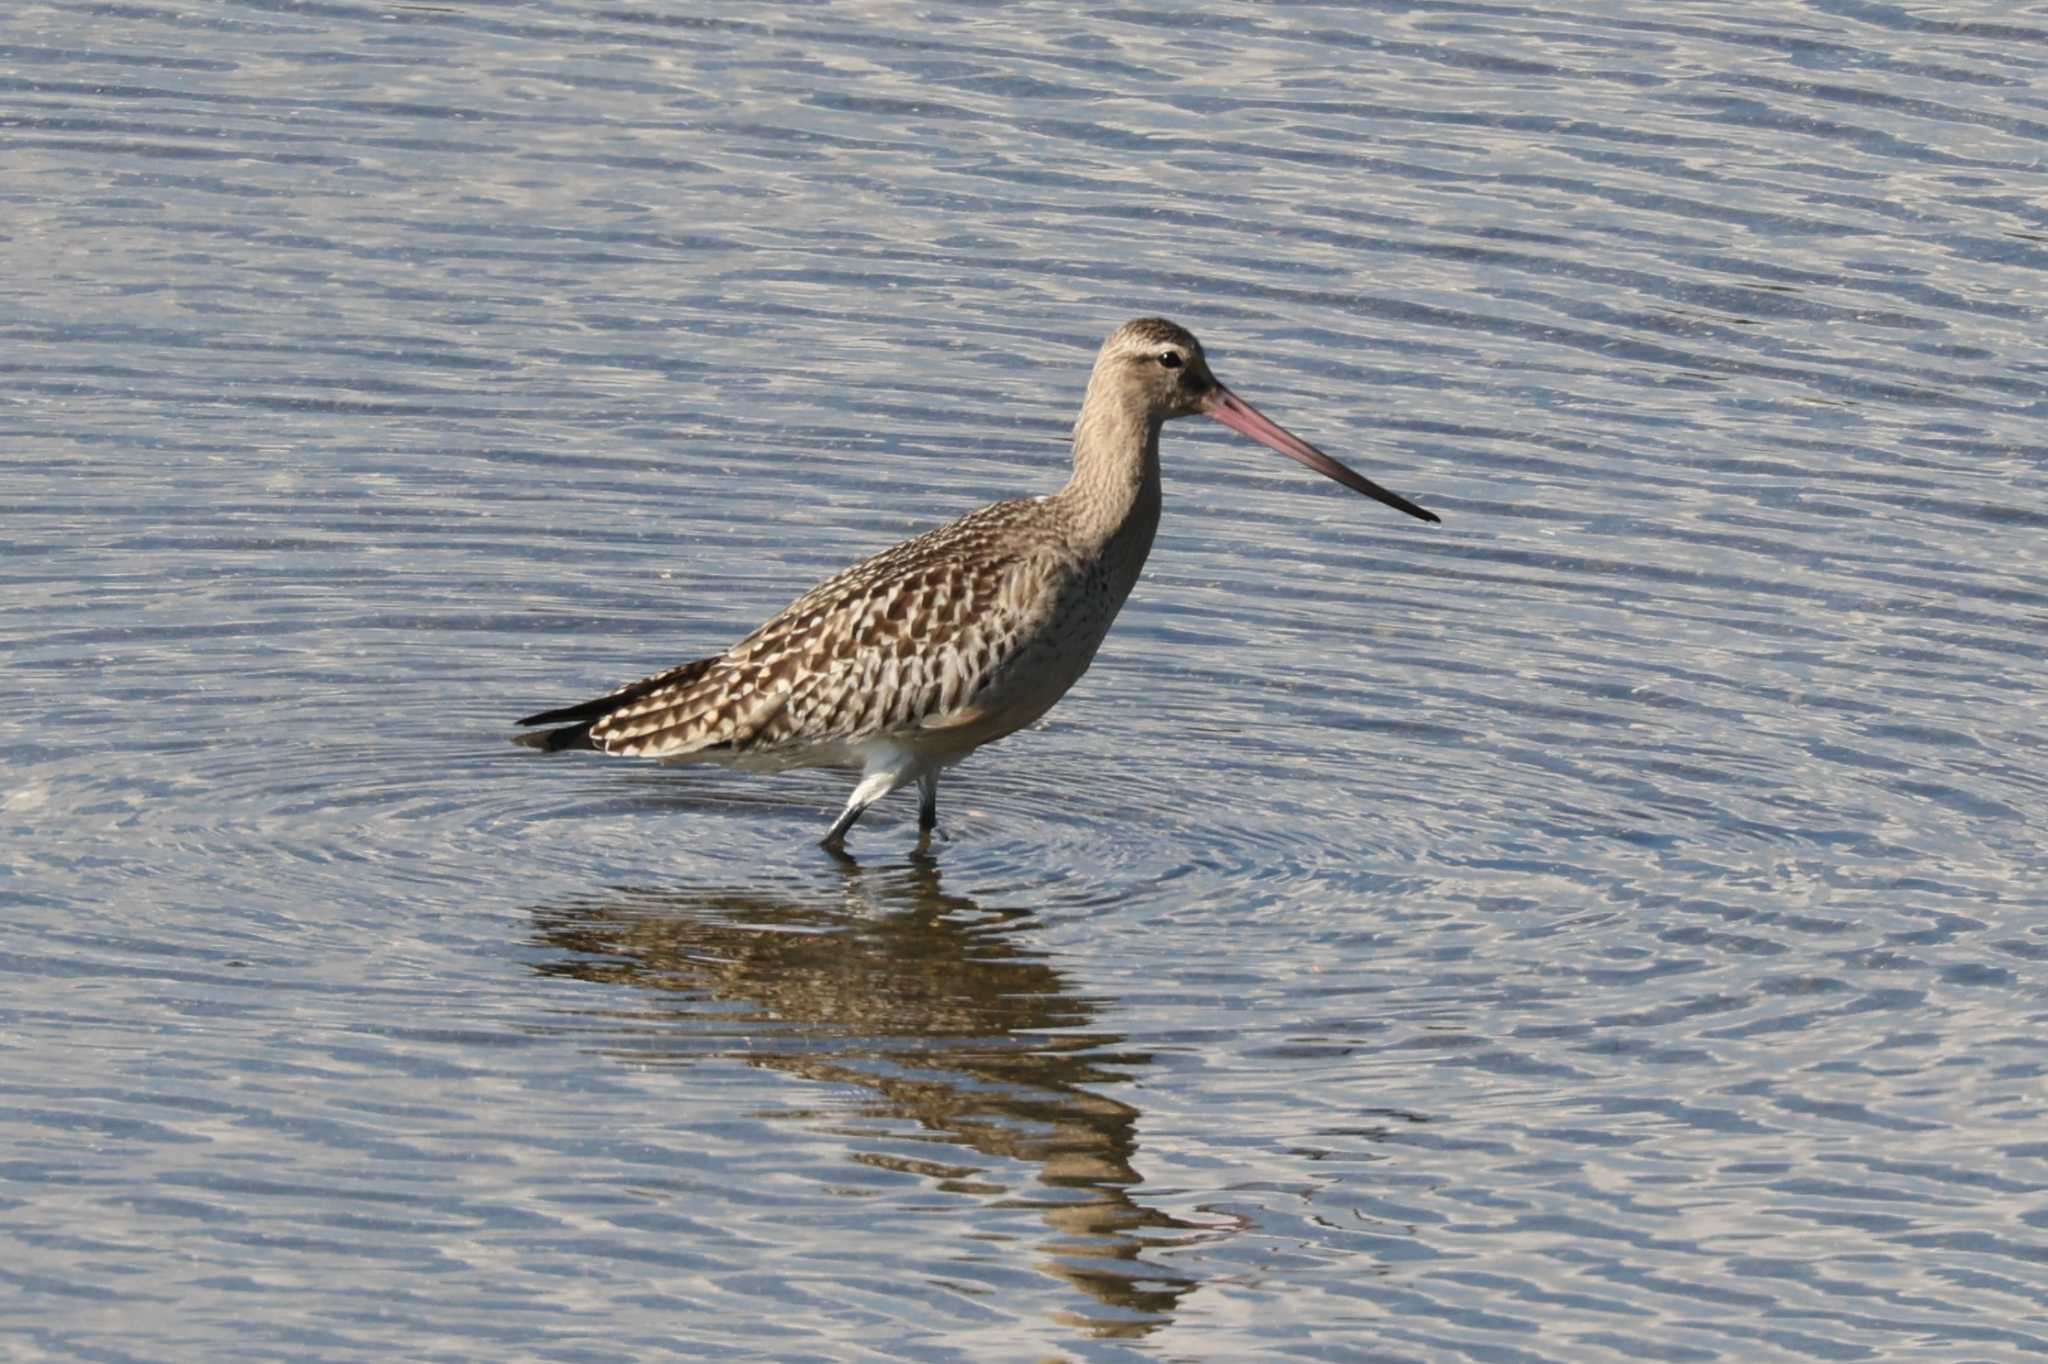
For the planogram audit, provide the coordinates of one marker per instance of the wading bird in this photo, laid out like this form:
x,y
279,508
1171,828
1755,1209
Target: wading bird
x,y
907,662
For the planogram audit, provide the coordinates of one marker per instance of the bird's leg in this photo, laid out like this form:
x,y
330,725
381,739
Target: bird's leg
x,y
927,811
835,837
873,786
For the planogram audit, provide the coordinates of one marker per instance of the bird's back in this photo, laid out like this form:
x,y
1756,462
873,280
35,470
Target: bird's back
x,y
947,640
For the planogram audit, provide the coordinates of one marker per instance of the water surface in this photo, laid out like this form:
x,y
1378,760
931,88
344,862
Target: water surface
x,y
1606,926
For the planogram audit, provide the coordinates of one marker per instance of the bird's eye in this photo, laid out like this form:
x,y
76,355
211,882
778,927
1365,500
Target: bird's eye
x,y
1170,359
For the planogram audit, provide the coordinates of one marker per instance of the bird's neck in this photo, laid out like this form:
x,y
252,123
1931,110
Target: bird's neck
x,y
1114,491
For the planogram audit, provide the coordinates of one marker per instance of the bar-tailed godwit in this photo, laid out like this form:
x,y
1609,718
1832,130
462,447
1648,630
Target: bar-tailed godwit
x,y
907,662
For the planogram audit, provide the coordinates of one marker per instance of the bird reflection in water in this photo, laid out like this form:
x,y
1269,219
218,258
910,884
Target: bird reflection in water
x,y
881,979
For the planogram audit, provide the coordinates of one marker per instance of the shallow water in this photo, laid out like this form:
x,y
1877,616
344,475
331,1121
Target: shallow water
x,y
1606,926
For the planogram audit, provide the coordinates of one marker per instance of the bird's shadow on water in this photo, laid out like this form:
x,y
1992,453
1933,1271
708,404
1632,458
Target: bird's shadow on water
x,y
937,1006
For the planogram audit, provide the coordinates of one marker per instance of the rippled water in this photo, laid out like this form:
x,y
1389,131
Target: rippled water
x,y
1606,926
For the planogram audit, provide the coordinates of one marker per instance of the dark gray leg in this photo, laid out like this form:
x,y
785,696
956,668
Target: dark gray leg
x,y
873,786
928,802
835,837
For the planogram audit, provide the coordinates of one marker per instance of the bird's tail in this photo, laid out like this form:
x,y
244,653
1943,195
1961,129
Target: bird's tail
x,y
573,723
555,740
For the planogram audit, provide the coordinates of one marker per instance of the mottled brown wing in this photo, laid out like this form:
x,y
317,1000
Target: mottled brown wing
x,y
712,709
902,640
911,653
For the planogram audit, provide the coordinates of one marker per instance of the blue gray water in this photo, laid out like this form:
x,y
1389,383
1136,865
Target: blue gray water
x,y
1608,926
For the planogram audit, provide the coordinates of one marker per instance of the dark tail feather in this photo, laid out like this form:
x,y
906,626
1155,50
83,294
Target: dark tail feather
x,y
576,720
555,740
